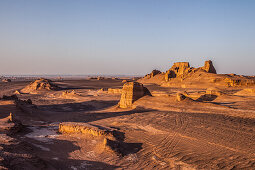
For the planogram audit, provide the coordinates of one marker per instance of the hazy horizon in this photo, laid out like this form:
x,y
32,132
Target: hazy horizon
x,y
114,37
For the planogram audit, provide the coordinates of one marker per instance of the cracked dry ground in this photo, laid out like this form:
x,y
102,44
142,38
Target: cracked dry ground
x,y
160,133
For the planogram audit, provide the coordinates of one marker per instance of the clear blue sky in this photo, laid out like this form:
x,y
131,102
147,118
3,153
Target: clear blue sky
x,y
125,36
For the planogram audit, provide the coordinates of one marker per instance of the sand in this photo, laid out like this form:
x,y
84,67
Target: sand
x,y
212,130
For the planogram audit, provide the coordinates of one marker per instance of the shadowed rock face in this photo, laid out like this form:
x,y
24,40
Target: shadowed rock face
x,y
131,92
208,67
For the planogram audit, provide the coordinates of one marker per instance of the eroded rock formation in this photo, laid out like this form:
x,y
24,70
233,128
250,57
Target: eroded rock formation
x,y
153,73
131,92
40,84
177,70
208,67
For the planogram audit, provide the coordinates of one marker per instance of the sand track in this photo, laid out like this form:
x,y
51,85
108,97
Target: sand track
x,y
217,134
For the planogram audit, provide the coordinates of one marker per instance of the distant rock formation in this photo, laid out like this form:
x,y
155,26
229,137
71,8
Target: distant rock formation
x,y
208,67
131,92
6,80
40,84
153,73
69,95
182,75
177,70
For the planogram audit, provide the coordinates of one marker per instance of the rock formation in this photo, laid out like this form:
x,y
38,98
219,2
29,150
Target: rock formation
x,y
40,84
85,128
131,92
6,80
153,73
208,67
213,91
177,70
10,125
180,97
69,95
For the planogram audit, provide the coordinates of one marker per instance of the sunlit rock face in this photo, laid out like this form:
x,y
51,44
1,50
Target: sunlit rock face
x,y
208,67
131,92
177,70
40,84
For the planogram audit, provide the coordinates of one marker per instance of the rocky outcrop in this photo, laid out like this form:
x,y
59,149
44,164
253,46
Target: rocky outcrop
x,y
153,73
239,81
69,94
85,128
180,97
10,125
6,80
178,70
132,91
40,84
208,67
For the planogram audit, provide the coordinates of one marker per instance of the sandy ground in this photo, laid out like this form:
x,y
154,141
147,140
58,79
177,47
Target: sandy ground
x,y
158,132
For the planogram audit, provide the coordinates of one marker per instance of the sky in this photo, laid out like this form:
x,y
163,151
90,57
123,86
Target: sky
x,y
130,37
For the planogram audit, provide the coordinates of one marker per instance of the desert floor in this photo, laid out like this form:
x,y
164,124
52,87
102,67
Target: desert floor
x,y
157,133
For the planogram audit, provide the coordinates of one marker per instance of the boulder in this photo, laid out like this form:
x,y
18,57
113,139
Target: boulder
x,y
208,67
131,92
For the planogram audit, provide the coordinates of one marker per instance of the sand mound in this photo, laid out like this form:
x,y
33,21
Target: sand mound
x,y
131,92
38,85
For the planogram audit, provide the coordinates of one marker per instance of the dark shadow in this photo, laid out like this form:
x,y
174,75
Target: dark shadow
x,y
207,97
90,116
89,84
228,104
93,105
26,153
123,148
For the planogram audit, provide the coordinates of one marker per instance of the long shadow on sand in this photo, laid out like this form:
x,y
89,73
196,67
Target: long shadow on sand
x,y
92,105
25,154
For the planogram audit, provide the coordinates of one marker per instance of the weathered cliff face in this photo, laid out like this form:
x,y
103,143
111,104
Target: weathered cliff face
x,y
208,67
177,70
131,92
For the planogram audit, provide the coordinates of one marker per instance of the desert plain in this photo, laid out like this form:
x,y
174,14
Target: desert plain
x,y
183,118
